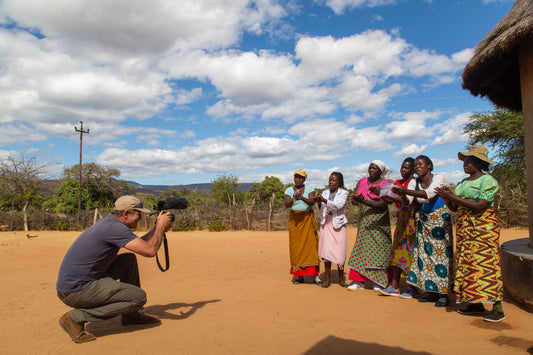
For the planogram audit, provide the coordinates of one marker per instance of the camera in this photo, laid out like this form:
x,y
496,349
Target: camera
x,y
170,203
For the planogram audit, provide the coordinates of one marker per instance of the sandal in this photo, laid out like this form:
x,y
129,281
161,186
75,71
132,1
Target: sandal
x,y
442,302
431,297
298,280
472,309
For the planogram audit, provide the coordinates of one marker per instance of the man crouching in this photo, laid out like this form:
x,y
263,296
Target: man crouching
x,y
88,275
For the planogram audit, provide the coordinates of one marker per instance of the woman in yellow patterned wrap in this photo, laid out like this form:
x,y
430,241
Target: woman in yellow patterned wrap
x,y
478,277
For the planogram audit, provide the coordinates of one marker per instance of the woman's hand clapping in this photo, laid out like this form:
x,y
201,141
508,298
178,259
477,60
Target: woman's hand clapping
x,y
376,190
444,192
356,198
399,190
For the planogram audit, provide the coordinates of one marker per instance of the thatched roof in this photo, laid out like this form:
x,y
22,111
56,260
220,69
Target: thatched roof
x,y
493,71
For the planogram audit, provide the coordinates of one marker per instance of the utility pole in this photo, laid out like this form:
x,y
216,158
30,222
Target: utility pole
x,y
79,182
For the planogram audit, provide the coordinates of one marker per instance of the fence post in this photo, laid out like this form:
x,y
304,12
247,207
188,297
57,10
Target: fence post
x,y
270,205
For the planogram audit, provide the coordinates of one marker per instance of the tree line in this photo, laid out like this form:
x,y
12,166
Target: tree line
x,y
502,131
31,200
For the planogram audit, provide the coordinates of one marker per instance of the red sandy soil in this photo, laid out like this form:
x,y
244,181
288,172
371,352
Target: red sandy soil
x,y
231,293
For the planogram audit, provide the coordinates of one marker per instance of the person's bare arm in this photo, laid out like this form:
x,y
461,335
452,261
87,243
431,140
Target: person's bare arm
x,y
319,200
309,200
380,203
402,191
149,244
358,198
355,198
289,201
452,201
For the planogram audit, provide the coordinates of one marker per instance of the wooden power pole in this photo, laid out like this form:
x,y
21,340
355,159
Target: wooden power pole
x,y
79,182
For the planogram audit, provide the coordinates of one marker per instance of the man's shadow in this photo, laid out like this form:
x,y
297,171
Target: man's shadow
x,y
185,309
113,326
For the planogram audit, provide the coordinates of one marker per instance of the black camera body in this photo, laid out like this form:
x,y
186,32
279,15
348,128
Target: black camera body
x,y
172,203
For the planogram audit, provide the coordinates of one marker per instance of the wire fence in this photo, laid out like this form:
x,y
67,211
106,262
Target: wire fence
x,y
213,218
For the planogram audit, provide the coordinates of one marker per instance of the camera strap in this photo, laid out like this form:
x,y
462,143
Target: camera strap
x,y
167,260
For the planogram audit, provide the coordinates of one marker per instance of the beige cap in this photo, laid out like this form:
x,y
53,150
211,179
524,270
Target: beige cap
x,y
127,202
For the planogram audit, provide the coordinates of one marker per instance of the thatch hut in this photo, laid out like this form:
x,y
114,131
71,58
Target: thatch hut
x,y
494,70
502,70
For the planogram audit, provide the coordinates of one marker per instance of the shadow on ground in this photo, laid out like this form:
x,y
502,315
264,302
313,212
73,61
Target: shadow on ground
x,y
185,310
113,326
334,345
514,342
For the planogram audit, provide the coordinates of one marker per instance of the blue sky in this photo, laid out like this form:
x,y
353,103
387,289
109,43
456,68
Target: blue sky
x,y
178,92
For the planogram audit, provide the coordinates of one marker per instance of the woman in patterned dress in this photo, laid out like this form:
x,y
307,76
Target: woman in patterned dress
x,y
404,233
432,268
478,278
369,259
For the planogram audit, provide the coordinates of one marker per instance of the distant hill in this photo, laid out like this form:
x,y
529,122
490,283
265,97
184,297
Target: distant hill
x,y
158,189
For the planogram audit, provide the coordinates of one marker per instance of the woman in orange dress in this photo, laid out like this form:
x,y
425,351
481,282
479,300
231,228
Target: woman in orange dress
x,y
303,235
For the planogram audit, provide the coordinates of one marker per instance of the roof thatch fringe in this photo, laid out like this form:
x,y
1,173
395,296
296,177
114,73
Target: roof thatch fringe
x,y
493,71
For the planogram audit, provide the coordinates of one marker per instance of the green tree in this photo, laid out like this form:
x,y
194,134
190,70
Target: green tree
x,y
502,131
100,188
102,183
20,182
65,198
91,172
264,190
101,178
225,188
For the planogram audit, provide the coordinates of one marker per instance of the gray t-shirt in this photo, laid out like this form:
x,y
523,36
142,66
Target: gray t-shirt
x,y
92,252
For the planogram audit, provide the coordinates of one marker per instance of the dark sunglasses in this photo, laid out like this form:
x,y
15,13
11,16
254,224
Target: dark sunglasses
x,y
139,205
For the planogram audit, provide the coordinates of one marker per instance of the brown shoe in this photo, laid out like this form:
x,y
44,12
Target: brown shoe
x,y
76,330
139,318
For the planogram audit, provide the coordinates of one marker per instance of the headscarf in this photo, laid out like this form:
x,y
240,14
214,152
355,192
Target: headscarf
x,y
382,166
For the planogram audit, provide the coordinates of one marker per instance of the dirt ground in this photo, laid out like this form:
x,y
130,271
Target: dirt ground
x,y
231,293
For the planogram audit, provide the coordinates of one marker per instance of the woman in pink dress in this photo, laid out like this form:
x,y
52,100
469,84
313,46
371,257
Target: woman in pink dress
x,y
332,242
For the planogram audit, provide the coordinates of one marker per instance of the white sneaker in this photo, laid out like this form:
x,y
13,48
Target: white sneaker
x,y
354,286
377,288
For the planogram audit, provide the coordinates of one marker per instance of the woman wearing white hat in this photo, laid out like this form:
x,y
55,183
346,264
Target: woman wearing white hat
x,y
370,256
478,278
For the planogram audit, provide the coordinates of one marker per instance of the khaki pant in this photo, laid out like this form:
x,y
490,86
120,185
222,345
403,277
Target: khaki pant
x,y
106,298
